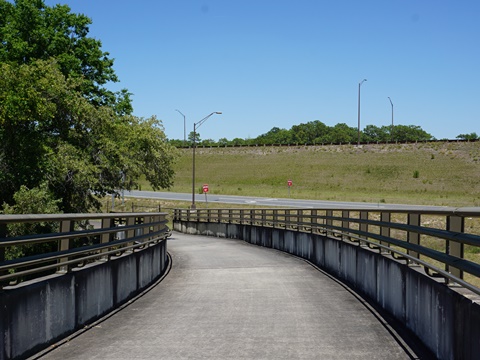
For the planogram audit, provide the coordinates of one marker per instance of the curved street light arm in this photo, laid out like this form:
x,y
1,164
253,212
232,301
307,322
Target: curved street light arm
x,y
184,127
199,123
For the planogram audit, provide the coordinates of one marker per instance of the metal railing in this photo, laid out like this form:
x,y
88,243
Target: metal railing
x,y
78,239
434,239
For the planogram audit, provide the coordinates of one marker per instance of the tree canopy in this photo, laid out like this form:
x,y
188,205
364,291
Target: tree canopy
x,y
61,129
30,31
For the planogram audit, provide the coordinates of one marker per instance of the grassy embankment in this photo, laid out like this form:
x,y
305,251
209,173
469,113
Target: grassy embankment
x,y
446,174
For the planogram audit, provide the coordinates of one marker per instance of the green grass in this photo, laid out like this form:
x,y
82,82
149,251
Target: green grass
x,y
446,174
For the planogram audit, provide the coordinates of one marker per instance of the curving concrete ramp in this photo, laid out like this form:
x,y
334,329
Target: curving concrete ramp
x,y
227,299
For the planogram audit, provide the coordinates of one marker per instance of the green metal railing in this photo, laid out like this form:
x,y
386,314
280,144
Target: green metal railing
x,y
80,239
434,239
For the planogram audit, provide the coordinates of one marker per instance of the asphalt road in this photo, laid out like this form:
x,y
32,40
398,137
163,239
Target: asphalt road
x,y
226,299
270,202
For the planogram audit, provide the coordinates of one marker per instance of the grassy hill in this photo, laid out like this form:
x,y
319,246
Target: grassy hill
x,y
437,173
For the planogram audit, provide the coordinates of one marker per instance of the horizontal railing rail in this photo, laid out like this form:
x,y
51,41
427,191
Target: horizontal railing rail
x,y
77,239
434,238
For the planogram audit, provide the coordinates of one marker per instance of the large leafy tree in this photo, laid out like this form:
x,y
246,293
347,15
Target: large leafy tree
x,y
61,130
51,133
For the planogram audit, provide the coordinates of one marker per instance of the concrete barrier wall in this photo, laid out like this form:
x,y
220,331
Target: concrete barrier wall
x,y
36,314
447,322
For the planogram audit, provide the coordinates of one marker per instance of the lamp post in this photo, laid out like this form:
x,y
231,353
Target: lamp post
x,y
195,126
391,131
359,84
184,128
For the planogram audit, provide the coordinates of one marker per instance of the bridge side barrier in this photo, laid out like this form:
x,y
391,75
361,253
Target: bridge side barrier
x,y
93,264
411,263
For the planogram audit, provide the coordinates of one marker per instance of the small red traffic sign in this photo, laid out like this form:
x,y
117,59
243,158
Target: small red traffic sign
x,y
205,188
289,182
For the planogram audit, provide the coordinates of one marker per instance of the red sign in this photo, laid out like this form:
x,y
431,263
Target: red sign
x,y
289,182
205,188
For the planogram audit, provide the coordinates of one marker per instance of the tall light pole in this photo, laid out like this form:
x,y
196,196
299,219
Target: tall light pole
x,y
359,84
184,128
195,126
391,131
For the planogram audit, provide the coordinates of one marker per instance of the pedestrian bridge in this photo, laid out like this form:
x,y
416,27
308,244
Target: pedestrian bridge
x,y
226,299
351,290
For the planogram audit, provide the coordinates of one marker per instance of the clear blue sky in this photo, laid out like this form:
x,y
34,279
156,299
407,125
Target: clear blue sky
x,y
278,63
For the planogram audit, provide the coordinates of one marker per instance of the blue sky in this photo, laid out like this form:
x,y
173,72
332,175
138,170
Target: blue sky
x,y
266,63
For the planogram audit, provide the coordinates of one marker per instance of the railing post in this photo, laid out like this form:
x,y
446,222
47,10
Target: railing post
x,y
455,224
345,224
301,226
385,230
328,221
363,226
130,233
413,237
156,227
107,223
146,230
65,244
313,221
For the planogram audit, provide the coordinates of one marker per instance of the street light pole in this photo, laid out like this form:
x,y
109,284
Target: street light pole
x,y
391,131
195,126
184,128
359,84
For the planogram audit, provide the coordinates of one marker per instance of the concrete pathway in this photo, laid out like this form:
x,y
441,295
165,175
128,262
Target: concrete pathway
x,y
226,299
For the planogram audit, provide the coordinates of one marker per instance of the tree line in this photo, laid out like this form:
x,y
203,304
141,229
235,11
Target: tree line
x,y
316,132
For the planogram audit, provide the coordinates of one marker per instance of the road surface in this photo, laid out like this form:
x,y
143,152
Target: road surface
x,y
271,202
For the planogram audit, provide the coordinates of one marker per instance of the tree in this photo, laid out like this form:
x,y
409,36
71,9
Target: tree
x,y
223,142
238,142
372,133
307,133
194,136
50,133
341,133
60,128
30,31
275,136
471,136
410,133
